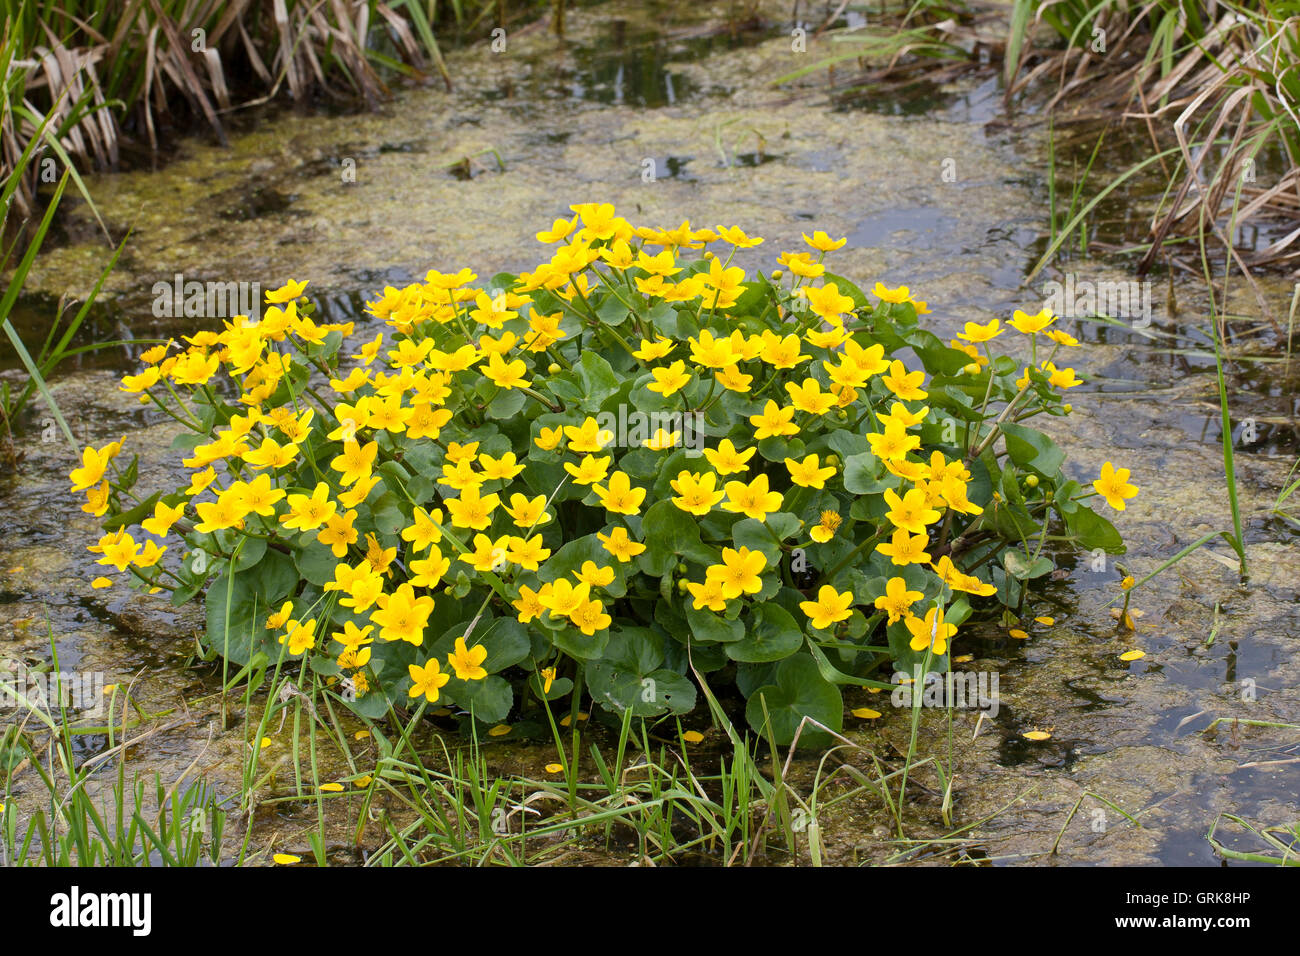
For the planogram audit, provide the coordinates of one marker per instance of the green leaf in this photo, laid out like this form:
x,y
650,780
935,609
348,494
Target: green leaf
x,y
597,378
860,475
772,634
710,627
799,691
316,563
236,618
489,699
670,535
1033,450
1022,567
1093,531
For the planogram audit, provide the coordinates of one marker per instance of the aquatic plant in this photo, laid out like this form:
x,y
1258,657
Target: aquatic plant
x,y
626,473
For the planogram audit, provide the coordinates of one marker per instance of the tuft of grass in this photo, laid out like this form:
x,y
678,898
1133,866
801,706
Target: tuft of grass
x,y
71,825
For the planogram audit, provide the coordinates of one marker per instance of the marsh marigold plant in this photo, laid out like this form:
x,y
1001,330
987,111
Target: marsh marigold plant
x,y
635,469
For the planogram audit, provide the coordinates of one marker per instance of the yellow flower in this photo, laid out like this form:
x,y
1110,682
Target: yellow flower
x,y
286,293
906,385
559,230
959,581
308,512
809,397
825,529
782,353
97,500
590,617
930,631
754,500
894,443
488,555
94,462
669,380
695,492
1113,485
589,471
827,301
822,242
1029,324
531,603
905,549
662,440
886,294
736,236
830,607
708,595
712,352
619,496
910,512
299,635
467,661
548,438
500,469
1061,377
981,333
649,351
773,421
402,616
619,544
726,460
897,600
739,573
426,681
806,474
505,374
471,510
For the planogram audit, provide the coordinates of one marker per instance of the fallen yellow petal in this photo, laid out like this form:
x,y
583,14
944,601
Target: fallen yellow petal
x,y
1133,655
1036,735
331,788
555,768
692,736
101,582
564,722
1017,634
362,782
286,858
1046,621
963,659
361,735
500,730
865,713
266,742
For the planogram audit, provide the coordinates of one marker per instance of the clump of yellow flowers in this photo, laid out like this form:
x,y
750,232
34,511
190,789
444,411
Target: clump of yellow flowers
x,y
634,466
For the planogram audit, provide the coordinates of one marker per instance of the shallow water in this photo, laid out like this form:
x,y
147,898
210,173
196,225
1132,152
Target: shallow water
x,y
577,122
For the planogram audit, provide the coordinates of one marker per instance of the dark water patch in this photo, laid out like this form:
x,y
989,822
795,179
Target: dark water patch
x,y
242,204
